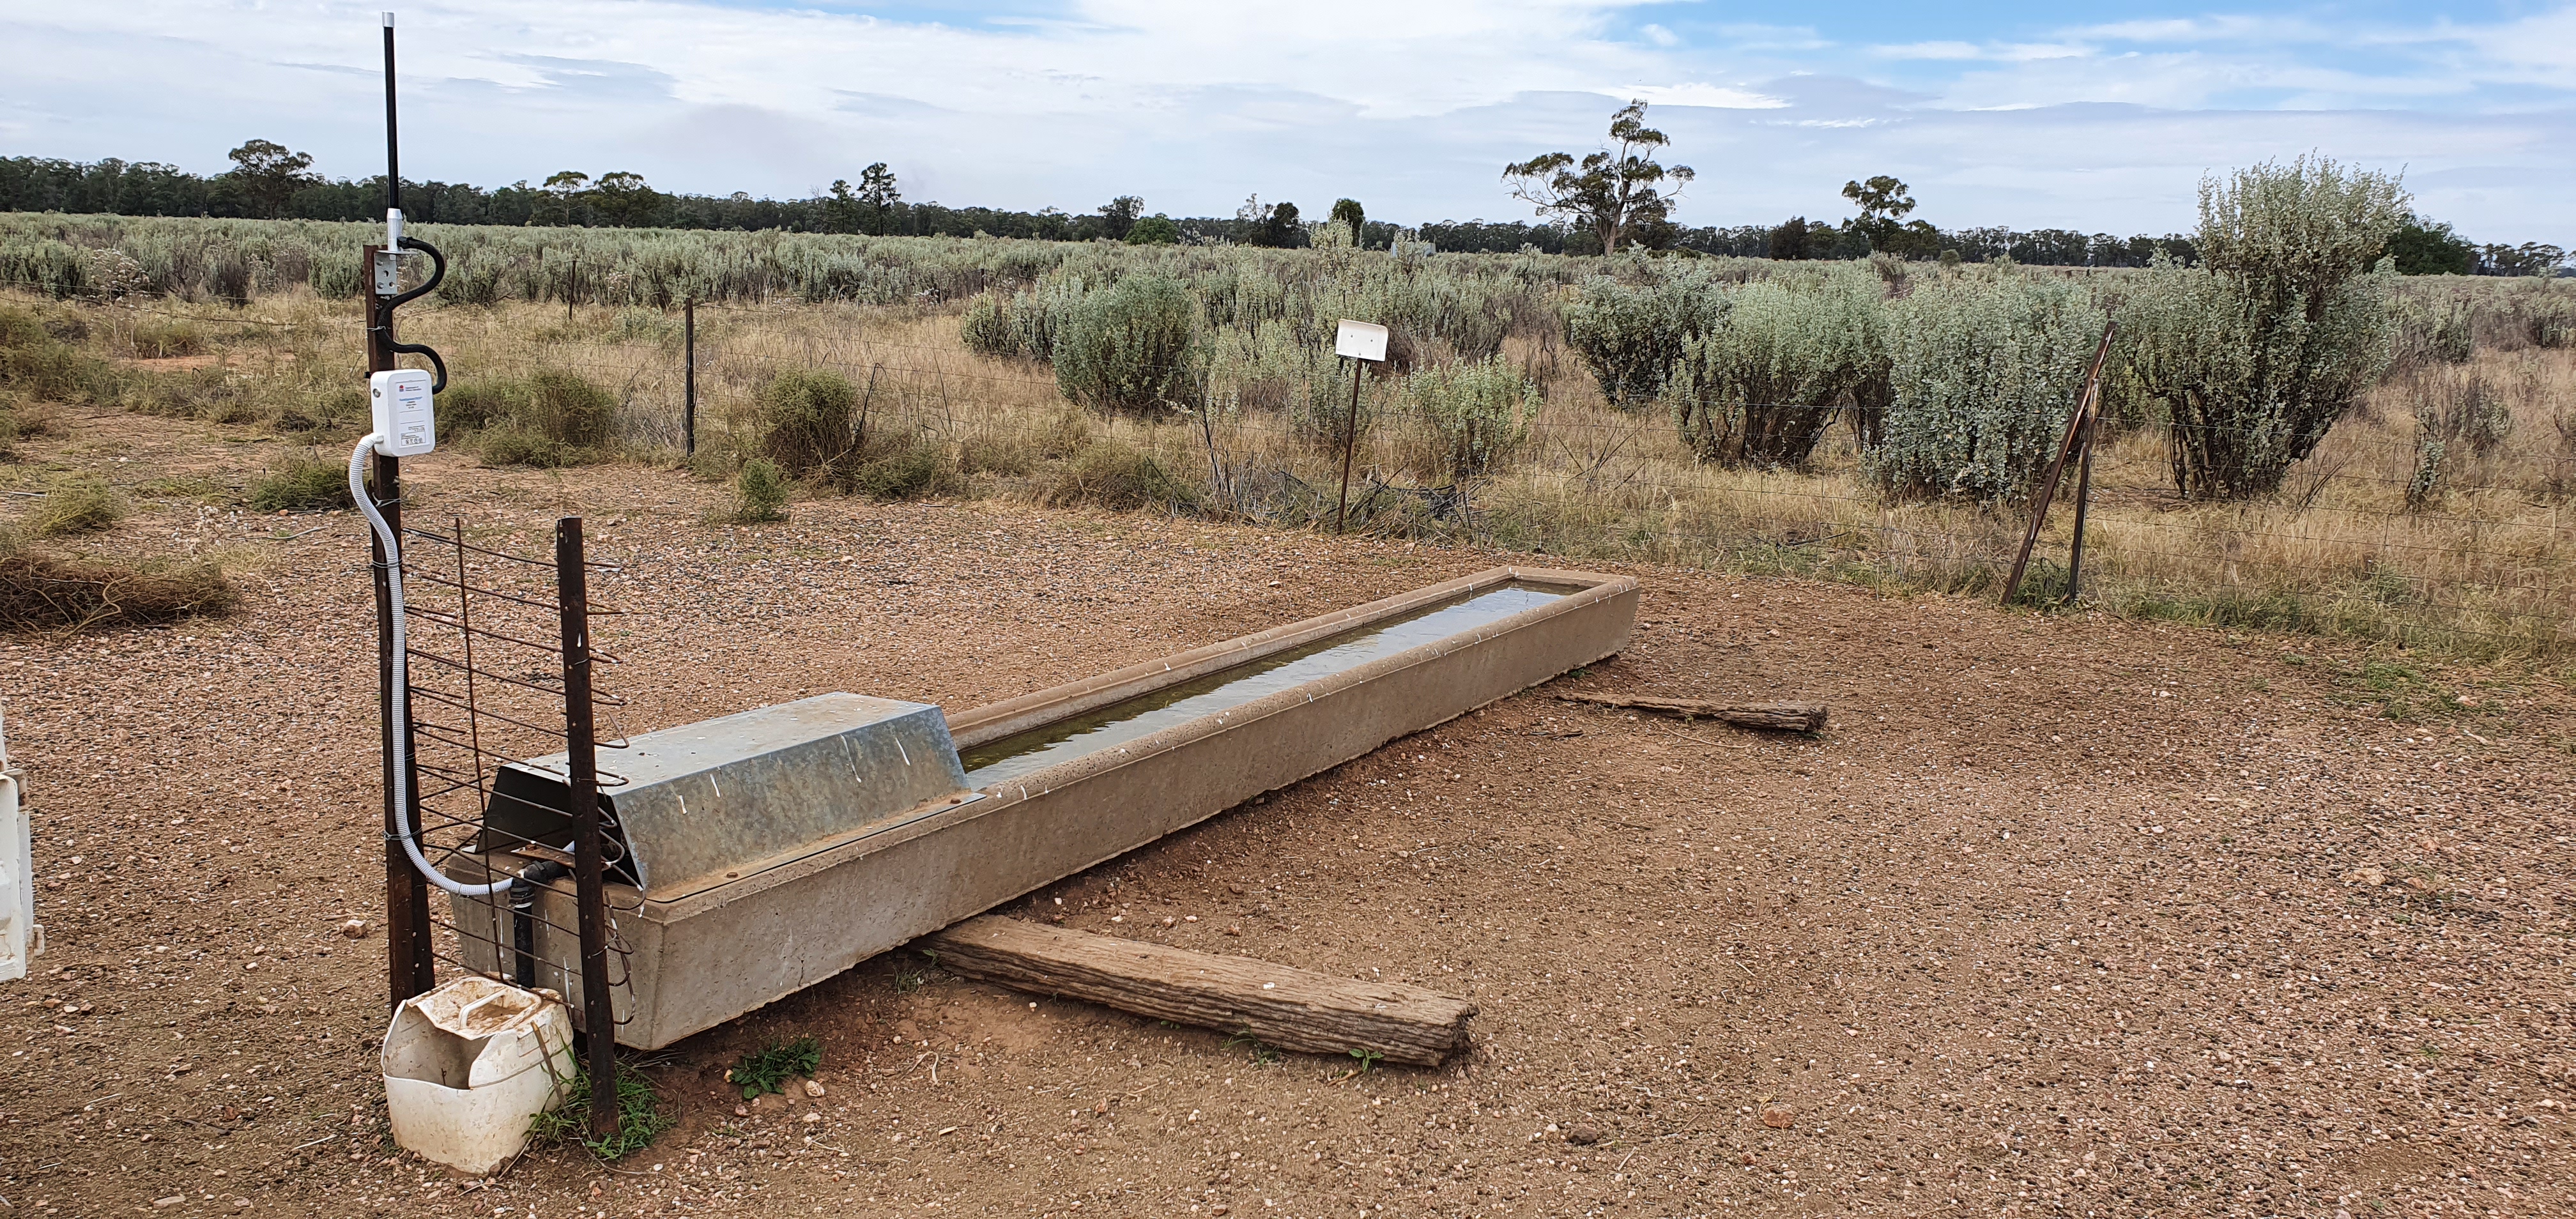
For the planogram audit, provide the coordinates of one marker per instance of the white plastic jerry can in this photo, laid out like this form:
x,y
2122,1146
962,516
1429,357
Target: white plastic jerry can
x,y
20,938
469,1066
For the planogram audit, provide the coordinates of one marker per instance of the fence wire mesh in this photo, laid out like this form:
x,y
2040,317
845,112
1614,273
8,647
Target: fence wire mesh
x,y
485,661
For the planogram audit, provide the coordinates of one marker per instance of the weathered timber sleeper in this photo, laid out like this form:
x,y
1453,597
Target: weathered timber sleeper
x,y
1291,1009
1784,717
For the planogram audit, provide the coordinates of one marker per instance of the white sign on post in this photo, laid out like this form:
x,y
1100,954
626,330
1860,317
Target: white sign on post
x,y
1360,341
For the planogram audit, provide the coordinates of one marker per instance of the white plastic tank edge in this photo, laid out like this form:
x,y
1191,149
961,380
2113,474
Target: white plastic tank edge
x,y
21,939
469,1065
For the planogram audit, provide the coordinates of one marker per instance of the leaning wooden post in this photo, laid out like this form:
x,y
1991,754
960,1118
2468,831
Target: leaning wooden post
x,y
2057,465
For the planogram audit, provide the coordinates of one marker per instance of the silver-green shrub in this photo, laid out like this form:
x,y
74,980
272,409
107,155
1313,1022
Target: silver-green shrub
x,y
2258,351
1020,325
1133,347
2433,329
1985,370
1476,413
1629,335
2540,313
1760,386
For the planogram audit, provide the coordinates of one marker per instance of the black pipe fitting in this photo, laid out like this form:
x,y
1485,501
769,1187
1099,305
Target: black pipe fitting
x,y
523,922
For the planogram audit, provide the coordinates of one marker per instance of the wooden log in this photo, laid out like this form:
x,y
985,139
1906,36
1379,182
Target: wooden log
x,y
1782,717
1290,1009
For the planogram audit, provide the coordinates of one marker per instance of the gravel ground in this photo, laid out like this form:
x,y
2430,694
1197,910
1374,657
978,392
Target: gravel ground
x,y
2059,916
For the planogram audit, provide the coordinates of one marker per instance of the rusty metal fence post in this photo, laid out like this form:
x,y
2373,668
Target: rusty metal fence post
x,y
590,881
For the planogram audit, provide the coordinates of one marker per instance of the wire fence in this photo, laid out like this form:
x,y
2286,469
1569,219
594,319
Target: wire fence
x,y
502,711
2341,548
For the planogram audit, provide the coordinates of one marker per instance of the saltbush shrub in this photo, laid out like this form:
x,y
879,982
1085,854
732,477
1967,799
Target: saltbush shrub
x,y
1761,386
1020,325
809,419
474,405
40,365
549,418
1630,335
1985,371
513,445
986,328
2433,329
2256,353
157,338
566,407
1475,414
759,493
1131,348
917,468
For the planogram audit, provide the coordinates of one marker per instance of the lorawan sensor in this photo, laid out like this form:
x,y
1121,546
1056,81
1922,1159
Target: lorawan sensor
x,y
406,423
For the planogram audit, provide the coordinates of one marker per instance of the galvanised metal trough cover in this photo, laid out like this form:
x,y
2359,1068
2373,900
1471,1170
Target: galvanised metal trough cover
x,y
705,803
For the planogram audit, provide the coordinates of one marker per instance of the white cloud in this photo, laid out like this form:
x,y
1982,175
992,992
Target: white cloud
x,y
1720,97
1413,107
1932,50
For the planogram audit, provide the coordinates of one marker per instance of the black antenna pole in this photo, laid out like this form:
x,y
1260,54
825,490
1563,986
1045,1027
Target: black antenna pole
x,y
393,158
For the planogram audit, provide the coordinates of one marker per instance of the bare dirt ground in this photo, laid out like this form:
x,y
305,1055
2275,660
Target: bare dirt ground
x,y
2059,916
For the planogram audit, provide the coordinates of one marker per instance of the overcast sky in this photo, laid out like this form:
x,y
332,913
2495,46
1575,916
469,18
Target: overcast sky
x,y
1995,113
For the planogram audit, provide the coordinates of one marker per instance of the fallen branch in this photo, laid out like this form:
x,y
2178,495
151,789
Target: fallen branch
x,y
1290,1009
1782,717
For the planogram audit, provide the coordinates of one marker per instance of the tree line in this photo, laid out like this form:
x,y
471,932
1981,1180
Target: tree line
x,y
1620,196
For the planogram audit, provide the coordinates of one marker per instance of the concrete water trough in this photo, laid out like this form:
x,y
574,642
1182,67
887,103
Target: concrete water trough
x,y
764,852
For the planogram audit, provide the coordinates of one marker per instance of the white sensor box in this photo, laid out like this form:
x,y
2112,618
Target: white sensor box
x,y
1360,341
406,423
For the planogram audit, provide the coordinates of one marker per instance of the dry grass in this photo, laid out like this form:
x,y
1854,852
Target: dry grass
x,y
2480,569
43,591
77,506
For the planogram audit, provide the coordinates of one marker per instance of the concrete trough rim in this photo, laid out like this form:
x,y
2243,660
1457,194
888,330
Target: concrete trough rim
x,y
1074,698
1010,717
1594,587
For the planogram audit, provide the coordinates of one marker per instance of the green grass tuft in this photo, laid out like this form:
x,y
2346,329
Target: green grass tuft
x,y
639,1118
759,493
302,483
77,506
510,445
1109,474
775,1064
919,470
